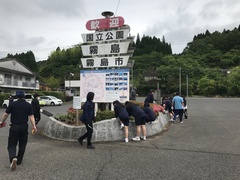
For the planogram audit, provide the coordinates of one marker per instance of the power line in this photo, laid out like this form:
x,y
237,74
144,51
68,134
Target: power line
x,y
117,6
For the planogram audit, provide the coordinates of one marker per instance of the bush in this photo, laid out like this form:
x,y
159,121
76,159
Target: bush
x,y
3,97
101,115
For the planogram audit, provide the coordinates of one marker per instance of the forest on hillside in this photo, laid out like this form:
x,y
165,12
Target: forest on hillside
x,y
209,65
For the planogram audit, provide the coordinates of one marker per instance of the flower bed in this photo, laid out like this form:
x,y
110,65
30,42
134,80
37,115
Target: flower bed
x,y
71,116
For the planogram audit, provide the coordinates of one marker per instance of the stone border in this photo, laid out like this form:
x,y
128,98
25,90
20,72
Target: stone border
x,y
107,130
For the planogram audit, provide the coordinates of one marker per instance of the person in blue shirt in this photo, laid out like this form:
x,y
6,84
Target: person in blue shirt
x,y
177,103
122,114
88,117
140,119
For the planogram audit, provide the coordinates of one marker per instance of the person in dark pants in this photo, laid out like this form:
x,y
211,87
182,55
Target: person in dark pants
x,y
10,99
88,118
20,111
177,103
185,107
150,115
167,104
36,108
140,120
122,114
133,95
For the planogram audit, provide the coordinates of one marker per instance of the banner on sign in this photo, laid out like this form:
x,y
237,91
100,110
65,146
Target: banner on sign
x,y
105,23
106,36
105,49
108,85
113,61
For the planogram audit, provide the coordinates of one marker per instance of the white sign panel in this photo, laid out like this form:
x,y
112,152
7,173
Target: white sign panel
x,y
76,102
108,85
106,36
113,61
103,49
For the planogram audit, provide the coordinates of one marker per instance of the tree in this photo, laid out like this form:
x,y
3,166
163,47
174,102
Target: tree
x,y
27,59
234,81
206,86
52,82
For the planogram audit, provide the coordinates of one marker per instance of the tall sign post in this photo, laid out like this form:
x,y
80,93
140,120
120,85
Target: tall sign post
x,y
107,50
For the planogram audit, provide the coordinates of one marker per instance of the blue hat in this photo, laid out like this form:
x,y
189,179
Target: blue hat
x,y
20,94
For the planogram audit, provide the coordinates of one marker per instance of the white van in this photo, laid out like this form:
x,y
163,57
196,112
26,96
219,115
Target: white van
x,y
28,98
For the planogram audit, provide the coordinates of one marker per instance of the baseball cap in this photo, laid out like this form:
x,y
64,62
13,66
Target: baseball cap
x,y
20,94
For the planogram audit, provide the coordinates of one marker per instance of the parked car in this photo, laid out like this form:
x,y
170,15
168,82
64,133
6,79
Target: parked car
x,y
28,98
51,100
41,102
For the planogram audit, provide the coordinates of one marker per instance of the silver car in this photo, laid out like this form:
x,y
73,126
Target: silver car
x,y
51,100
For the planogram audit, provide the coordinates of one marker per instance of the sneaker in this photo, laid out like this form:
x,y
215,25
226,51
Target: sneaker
x,y
181,122
143,138
80,141
90,147
122,126
13,165
136,138
126,139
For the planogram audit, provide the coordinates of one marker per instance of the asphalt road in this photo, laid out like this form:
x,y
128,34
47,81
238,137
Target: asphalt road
x,y
205,147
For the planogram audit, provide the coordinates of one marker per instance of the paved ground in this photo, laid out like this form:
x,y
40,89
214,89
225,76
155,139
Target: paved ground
x,y
206,146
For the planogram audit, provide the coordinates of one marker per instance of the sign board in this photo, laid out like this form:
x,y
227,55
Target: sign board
x,y
105,23
76,102
108,85
104,49
113,61
106,36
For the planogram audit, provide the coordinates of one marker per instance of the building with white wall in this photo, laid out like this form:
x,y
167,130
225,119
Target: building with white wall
x,y
15,76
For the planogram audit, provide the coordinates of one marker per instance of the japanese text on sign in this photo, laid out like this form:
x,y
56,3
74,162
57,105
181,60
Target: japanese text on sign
x,y
105,36
102,49
104,61
105,23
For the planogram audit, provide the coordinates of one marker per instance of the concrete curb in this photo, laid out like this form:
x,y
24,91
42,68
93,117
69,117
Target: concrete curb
x,y
107,130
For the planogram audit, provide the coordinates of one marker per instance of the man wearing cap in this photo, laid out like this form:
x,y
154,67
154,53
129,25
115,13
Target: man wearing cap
x,y
20,111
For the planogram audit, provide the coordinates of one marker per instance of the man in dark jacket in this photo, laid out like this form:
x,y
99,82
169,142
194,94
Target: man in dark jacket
x,y
20,111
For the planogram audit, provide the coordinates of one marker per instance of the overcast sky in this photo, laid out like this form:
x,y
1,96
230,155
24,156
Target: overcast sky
x,y
43,25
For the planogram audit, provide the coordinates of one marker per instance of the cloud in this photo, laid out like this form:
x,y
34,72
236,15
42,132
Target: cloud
x,y
43,25
43,8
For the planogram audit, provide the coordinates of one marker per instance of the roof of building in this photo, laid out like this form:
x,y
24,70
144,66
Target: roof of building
x,y
14,65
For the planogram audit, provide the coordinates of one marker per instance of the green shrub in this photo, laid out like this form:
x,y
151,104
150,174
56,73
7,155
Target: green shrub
x,y
3,97
102,115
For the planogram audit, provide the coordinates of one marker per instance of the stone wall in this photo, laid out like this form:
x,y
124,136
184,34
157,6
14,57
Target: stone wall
x,y
107,130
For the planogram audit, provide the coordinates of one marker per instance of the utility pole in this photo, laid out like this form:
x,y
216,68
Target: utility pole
x,y
180,80
187,84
